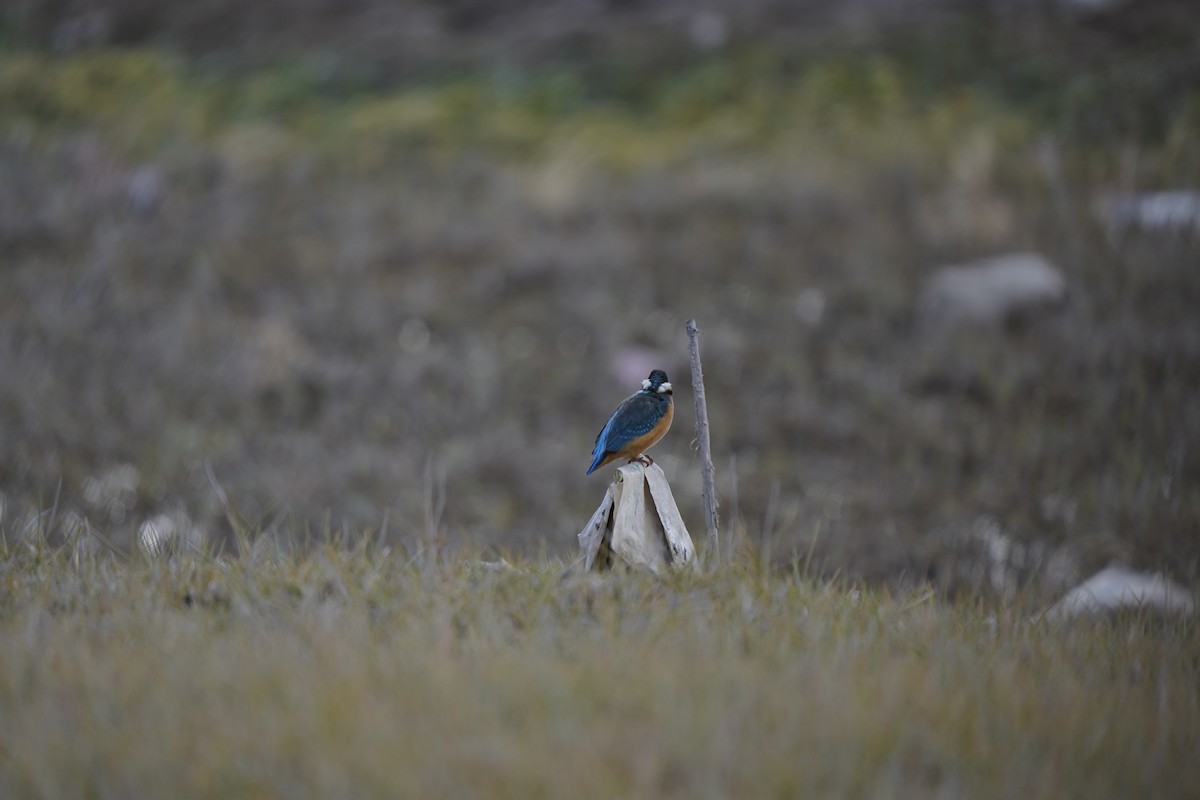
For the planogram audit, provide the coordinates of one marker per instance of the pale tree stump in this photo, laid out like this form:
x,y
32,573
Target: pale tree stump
x,y
637,523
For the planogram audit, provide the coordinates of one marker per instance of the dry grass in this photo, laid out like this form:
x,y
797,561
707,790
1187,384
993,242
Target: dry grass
x,y
358,672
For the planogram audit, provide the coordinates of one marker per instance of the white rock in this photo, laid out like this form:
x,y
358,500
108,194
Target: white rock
x,y
145,190
166,532
991,290
1156,212
156,534
1116,587
810,307
708,30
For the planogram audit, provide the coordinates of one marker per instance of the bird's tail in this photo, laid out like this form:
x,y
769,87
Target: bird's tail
x,y
597,458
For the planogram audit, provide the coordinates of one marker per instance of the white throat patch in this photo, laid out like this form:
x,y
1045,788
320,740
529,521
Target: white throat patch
x,y
665,387
645,383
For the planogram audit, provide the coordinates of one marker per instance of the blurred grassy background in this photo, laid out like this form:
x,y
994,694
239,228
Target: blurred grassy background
x,y
360,257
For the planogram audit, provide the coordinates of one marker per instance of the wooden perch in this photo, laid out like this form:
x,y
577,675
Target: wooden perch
x,y
637,522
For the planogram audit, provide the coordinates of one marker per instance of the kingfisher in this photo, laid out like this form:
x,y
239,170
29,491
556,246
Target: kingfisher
x,y
637,424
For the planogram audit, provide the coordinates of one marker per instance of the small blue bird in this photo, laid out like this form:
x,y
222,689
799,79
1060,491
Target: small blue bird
x,y
637,424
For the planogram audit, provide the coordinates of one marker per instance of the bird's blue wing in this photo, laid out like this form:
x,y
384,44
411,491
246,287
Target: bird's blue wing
x,y
635,417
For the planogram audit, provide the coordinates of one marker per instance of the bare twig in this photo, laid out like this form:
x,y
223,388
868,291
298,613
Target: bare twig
x,y
222,498
54,509
112,548
712,550
434,507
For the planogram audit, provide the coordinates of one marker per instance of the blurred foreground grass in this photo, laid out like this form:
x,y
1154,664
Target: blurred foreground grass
x,y
361,672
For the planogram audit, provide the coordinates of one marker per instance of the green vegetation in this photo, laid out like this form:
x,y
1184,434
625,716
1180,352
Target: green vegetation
x,y
358,671
866,109
143,103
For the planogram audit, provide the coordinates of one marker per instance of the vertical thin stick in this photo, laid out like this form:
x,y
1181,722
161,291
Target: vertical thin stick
x,y
712,551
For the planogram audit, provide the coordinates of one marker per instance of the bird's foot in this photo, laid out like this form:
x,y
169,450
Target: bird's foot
x,y
642,459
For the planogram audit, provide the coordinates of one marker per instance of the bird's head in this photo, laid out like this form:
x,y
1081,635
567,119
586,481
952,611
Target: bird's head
x,y
657,382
